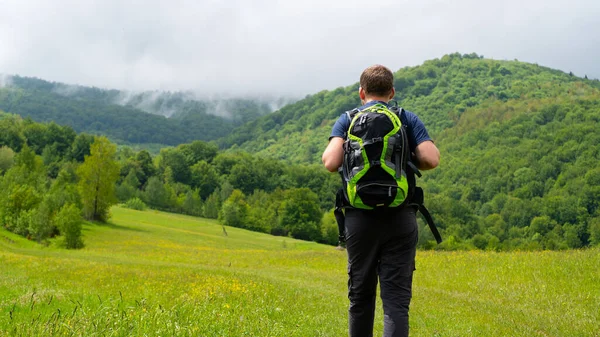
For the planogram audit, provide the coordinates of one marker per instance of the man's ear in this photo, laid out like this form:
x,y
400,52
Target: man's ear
x,y
393,94
361,93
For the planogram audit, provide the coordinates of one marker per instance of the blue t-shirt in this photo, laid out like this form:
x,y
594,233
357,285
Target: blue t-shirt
x,y
416,131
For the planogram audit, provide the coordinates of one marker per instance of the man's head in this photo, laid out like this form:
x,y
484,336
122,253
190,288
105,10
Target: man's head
x,y
376,83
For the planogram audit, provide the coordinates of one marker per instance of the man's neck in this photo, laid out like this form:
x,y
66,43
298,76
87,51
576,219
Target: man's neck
x,y
371,99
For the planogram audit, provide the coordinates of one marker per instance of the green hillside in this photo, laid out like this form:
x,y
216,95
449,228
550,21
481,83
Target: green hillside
x,y
439,91
129,118
153,273
518,141
520,162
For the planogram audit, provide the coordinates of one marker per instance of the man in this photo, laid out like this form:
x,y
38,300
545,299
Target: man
x,y
381,243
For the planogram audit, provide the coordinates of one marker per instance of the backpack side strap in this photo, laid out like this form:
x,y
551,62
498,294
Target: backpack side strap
x,y
414,168
418,200
339,216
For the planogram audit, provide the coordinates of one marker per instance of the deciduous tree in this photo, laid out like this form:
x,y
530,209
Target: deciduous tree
x,y
97,177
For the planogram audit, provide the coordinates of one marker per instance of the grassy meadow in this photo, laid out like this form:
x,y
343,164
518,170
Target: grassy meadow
x,y
159,274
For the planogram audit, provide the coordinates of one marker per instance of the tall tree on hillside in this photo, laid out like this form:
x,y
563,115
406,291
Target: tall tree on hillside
x,y
97,177
299,214
235,210
197,151
22,186
7,160
80,147
10,132
175,159
144,161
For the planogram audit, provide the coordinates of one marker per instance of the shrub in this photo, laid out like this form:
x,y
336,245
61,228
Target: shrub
x,y
40,222
329,229
136,203
68,220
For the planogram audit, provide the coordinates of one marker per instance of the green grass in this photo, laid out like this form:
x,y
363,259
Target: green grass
x,y
158,274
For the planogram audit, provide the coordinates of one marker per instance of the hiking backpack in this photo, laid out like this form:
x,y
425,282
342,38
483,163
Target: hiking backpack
x,y
377,170
376,153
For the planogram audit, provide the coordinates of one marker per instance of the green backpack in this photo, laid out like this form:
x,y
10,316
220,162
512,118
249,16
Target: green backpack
x,y
376,155
377,170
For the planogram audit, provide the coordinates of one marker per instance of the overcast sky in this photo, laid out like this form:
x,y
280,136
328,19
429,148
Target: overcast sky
x,y
281,47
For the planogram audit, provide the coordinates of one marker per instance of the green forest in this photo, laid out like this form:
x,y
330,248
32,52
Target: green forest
x,y
519,161
519,148
49,174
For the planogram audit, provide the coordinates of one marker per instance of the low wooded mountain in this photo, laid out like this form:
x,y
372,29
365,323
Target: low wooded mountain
x,y
168,118
518,141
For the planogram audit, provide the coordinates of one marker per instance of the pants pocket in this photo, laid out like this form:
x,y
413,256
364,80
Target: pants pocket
x,y
349,281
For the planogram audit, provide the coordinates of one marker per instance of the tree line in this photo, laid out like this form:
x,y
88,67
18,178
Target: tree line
x,y
50,178
239,189
54,179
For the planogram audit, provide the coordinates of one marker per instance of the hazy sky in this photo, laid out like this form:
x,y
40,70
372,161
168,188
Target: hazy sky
x,y
281,47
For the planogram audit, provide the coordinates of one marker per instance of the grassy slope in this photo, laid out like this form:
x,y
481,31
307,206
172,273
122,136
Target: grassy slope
x,y
161,274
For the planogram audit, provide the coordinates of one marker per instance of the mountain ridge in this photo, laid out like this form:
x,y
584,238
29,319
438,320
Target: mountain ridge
x,y
127,117
438,91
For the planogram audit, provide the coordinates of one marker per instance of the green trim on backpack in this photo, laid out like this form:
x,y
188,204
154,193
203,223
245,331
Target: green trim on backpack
x,y
401,182
351,187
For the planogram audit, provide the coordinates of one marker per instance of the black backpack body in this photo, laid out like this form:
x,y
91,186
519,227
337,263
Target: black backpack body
x,y
377,170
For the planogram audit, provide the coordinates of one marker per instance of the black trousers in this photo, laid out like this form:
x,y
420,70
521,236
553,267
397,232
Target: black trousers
x,y
381,244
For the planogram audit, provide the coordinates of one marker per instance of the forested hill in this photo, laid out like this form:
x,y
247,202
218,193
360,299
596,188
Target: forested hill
x,y
439,91
132,118
519,144
519,170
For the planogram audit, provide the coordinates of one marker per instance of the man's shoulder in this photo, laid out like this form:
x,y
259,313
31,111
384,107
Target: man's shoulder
x,y
410,114
411,117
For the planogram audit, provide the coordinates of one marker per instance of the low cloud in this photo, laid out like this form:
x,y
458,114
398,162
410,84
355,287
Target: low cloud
x,y
5,80
291,48
66,89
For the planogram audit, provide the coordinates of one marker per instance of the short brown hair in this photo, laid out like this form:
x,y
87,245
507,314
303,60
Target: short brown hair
x,y
377,80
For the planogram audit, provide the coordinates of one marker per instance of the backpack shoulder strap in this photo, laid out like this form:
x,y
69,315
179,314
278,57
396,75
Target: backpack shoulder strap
x,y
402,116
352,113
399,111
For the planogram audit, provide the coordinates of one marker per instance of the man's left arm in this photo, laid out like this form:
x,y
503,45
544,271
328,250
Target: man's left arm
x,y
427,155
333,155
